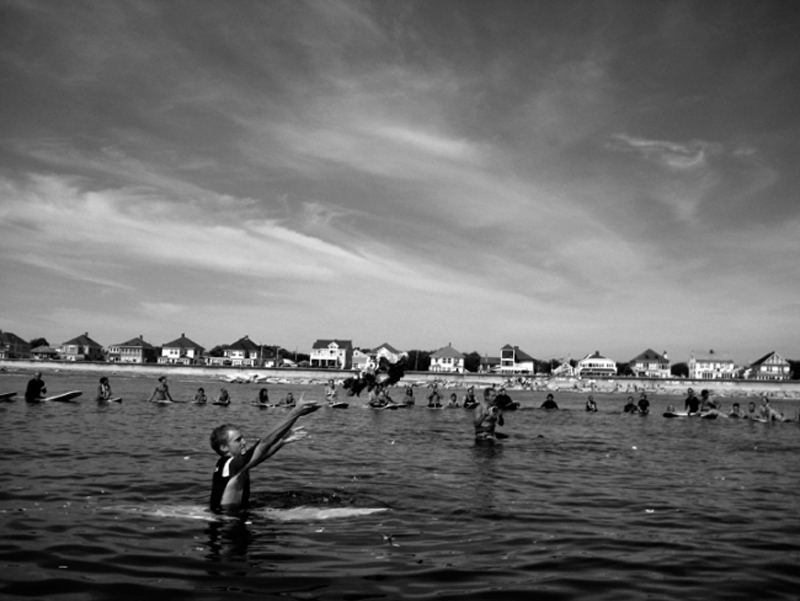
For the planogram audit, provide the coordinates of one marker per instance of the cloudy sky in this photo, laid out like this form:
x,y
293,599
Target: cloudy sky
x,y
562,176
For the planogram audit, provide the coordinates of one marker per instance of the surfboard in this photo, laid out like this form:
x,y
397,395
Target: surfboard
x,y
255,404
339,405
294,514
218,403
7,396
163,402
675,414
64,397
116,399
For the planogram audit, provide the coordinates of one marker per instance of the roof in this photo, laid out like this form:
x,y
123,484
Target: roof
x,y
326,342
712,355
83,340
182,342
650,355
595,355
447,351
388,347
519,355
136,343
44,349
765,357
244,344
10,338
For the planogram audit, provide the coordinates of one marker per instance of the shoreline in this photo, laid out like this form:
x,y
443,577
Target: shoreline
x,y
787,389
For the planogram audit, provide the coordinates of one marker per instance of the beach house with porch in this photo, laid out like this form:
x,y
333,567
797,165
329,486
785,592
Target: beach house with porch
x,y
595,365
447,359
710,366
81,348
651,364
135,350
769,367
332,353
181,351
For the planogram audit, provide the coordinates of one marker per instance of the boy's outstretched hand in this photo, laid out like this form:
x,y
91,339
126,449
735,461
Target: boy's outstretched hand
x,y
306,407
295,434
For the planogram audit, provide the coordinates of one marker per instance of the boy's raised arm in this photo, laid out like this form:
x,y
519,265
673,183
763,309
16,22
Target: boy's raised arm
x,y
274,437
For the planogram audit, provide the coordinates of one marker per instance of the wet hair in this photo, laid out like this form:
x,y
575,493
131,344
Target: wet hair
x,y
200,390
104,380
162,378
704,392
219,437
550,396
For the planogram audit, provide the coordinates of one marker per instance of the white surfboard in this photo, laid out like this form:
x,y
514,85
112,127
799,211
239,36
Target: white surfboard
x,y
64,397
7,396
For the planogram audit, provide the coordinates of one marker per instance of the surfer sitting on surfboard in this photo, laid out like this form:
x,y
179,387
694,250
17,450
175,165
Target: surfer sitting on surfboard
x,y
230,485
36,389
161,393
487,416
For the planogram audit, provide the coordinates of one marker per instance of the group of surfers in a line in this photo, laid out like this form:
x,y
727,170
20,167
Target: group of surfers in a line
x,y
708,407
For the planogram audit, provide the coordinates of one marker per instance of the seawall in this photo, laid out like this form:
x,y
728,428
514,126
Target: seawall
x,y
622,385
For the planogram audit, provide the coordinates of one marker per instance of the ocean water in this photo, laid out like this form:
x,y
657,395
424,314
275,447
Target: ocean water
x,y
106,502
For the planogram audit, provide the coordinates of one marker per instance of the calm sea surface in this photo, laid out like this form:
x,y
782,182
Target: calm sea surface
x,y
97,502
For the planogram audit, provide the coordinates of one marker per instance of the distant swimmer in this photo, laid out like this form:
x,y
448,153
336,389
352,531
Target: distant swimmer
x,y
36,388
708,407
470,402
434,398
230,486
288,400
503,401
487,417
161,393
590,404
330,392
736,411
644,404
692,403
549,403
630,406
223,398
408,397
769,413
263,397
751,411
453,402
200,397
103,390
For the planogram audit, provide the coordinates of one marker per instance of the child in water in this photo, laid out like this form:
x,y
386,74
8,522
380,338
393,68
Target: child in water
x,y
200,397
103,390
230,486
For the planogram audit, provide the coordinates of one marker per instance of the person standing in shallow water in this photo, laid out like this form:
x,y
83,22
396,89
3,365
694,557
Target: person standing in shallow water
x,y
590,404
487,417
103,390
230,484
434,398
161,393
692,403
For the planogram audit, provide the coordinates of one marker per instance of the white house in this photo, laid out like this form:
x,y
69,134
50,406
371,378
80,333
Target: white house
x,y
651,364
513,360
332,353
711,366
447,359
135,350
770,367
595,365
388,352
181,351
244,353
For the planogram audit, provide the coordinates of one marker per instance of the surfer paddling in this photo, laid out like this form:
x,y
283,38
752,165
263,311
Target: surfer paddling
x,y
230,486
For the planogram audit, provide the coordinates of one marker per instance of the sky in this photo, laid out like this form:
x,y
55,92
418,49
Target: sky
x,y
563,176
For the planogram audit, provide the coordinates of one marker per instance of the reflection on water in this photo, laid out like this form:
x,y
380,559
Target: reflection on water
x,y
572,505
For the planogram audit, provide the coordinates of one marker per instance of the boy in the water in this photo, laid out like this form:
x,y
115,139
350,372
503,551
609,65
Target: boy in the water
x,y
230,486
